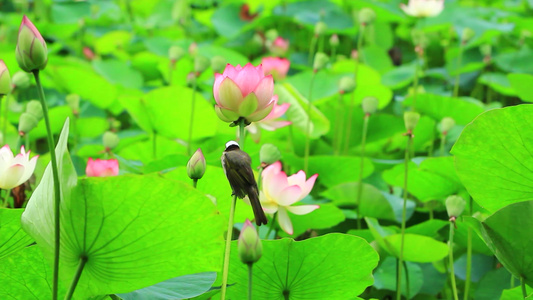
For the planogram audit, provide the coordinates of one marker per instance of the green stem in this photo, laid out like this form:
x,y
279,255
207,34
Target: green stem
x,y
406,280
442,143
308,125
4,128
459,59
191,122
225,270
333,53
83,260
523,284
271,226
314,39
6,199
415,83
468,263
337,133
194,182
154,144
404,213
57,187
352,99
171,66
452,272
250,275
361,169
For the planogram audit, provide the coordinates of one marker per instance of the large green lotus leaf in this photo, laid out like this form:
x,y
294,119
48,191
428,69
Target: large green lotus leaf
x,y
113,42
333,170
147,63
493,157
26,275
144,150
182,287
462,110
516,294
385,276
297,112
499,82
365,74
508,234
428,228
168,112
327,216
461,238
516,61
215,184
154,230
118,72
324,84
376,57
57,115
492,284
231,56
373,203
522,85
88,84
70,12
423,184
333,266
91,127
399,77
12,237
443,166
417,248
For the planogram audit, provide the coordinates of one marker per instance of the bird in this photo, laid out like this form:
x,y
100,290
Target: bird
x,y
237,166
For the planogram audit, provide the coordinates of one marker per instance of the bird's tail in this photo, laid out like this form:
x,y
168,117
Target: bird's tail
x,y
260,217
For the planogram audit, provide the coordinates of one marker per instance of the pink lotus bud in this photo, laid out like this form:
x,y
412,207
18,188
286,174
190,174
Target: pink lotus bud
x,y
423,8
243,92
88,53
5,79
15,170
275,66
279,46
249,244
196,165
31,52
101,167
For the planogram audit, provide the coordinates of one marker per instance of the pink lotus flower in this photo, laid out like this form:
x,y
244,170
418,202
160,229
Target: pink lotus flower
x,y
275,66
15,170
423,8
243,92
279,46
101,167
270,122
281,192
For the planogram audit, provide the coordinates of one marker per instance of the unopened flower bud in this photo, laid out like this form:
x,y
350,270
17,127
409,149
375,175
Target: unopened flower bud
x,y
321,59
218,63
5,79
249,244
445,125
175,53
419,39
196,165
320,28
455,206
366,16
370,105
34,107
191,78
73,101
193,49
31,52
271,34
410,119
346,84
201,63
110,140
334,40
269,154
485,49
27,122
467,35
21,80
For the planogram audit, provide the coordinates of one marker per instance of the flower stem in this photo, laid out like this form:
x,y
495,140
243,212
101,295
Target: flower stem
x,y
4,127
194,182
79,270
250,275
308,126
6,199
225,269
154,144
314,40
415,83
171,66
468,263
227,251
452,272
337,133
352,99
57,187
191,122
523,284
271,227
459,59
361,170
442,143
404,213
